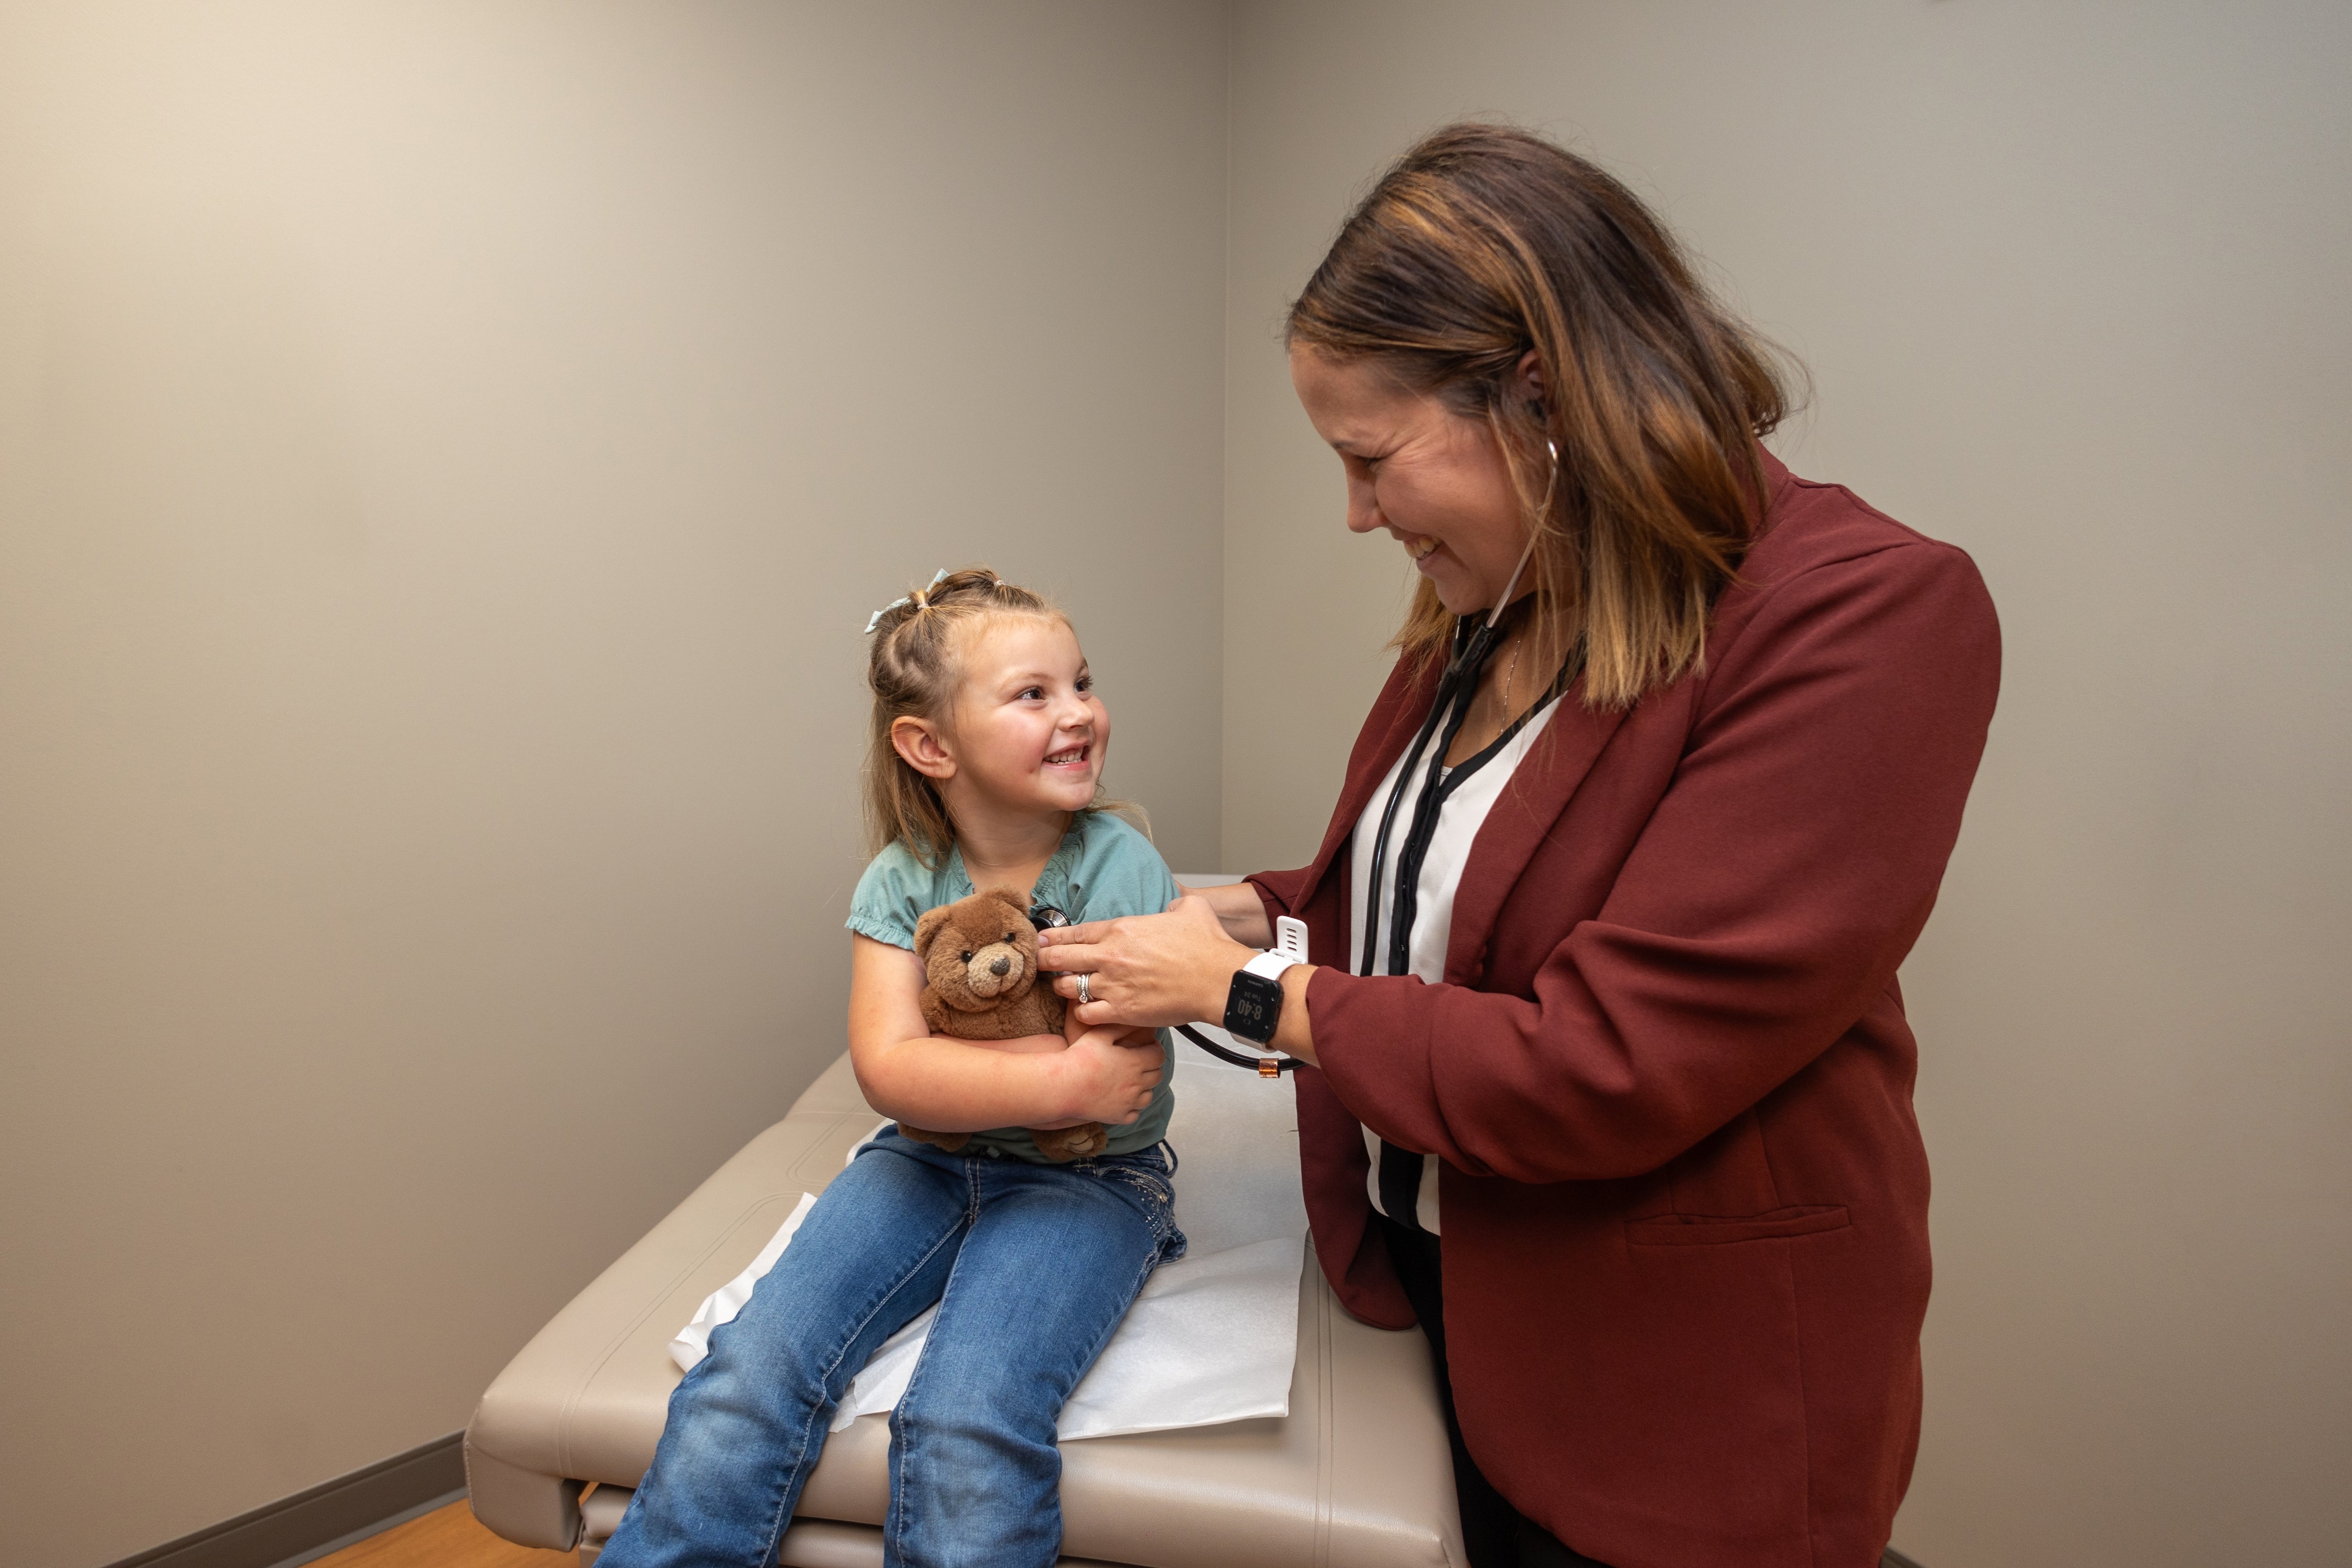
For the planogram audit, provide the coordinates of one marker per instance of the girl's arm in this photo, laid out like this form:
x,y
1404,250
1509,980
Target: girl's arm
x,y
946,1086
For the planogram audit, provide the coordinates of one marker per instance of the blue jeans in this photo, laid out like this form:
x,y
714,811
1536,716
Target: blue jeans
x,y
1032,1266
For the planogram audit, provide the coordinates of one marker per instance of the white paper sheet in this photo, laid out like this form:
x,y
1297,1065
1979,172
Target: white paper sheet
x,y
1212,1336
692,1343
1209,1340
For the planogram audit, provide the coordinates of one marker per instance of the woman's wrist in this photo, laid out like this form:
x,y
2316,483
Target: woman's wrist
x,y
1293,1036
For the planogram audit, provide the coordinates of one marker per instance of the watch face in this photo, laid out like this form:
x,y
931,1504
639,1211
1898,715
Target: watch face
x,y
1252,1007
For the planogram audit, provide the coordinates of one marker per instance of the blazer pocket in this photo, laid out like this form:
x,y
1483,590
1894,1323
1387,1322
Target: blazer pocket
x,y
1713,1230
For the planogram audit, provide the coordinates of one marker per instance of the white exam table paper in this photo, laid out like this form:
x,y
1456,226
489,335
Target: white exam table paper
x,y
1212,1336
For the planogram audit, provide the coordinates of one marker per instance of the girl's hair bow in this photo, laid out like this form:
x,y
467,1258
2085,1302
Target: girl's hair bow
x,y
920,598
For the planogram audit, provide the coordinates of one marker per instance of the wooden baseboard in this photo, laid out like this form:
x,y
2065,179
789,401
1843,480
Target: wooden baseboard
x,y
295,1528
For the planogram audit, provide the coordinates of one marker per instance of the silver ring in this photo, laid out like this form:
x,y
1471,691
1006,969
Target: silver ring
x,y
1085,994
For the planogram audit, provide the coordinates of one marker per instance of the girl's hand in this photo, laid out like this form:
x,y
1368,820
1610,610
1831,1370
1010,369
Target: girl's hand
x,y
1147,970
1108,1081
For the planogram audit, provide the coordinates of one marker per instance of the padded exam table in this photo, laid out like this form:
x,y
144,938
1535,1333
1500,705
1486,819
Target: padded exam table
x,y
1357,1476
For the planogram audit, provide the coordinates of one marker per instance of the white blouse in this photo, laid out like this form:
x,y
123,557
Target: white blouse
x,y
1458,820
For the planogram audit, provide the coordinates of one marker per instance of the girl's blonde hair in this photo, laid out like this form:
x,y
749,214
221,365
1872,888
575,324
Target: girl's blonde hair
x,y
914,669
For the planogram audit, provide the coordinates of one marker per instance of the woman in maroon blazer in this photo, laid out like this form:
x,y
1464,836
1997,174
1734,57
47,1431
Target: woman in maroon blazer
x,y
1614,1098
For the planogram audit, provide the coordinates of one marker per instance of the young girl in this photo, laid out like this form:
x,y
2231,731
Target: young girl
x,y
986,761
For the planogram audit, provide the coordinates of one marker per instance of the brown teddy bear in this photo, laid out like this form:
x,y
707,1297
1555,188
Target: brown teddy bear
x,y
980,962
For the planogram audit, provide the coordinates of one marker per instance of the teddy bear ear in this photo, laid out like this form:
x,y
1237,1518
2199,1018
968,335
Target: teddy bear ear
x,y
1012,899
928,928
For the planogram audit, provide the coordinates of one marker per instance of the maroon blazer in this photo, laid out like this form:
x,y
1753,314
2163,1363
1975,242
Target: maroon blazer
x,y
1684,1195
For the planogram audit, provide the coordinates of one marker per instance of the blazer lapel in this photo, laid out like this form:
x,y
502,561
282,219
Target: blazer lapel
x,y
1530,803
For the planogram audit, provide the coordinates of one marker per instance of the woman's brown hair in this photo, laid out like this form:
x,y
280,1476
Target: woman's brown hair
x,y
1483,243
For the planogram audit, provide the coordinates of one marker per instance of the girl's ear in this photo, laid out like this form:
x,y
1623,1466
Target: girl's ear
x,y
919,744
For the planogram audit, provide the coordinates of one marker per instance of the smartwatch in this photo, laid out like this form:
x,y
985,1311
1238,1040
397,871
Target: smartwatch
x,y
1254,1005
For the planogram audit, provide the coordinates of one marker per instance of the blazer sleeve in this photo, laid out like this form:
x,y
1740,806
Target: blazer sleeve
x,y
1780,880
1280,892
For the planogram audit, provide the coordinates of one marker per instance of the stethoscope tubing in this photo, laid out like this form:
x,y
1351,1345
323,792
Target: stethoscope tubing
x,y
1447,710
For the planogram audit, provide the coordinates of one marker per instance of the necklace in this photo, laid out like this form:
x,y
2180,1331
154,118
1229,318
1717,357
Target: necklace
x,y
1509,670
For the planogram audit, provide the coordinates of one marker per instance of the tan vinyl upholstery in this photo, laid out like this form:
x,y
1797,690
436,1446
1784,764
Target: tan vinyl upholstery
x,y
1356,1477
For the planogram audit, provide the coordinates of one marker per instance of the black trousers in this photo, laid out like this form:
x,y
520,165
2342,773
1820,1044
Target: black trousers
x,y
1496,1535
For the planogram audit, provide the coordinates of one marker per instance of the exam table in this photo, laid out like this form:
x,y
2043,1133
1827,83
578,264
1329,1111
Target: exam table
x,y
1356,1476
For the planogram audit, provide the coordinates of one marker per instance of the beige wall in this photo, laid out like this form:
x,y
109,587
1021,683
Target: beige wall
x,y
447,454
2071,282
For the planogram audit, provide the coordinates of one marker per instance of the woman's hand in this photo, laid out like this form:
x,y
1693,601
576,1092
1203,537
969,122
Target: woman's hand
x,y
1162,970
1148,970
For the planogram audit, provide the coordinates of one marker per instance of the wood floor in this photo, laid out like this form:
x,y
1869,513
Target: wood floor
x,y
446,1538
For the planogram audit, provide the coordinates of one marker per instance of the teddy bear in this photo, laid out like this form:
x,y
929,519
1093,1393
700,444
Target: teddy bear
x,y
980,982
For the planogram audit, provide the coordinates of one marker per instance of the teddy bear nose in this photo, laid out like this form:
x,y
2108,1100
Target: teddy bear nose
x,y
1003,965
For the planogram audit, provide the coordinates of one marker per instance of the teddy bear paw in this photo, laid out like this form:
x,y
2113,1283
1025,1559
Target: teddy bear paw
x,y
947,1143
1083,1141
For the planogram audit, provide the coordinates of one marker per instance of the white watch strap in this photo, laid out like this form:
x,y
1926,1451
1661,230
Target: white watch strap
x,y
1270,965
1290,937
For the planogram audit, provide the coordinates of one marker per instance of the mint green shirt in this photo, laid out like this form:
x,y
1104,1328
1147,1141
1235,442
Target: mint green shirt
x,y
1103,869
